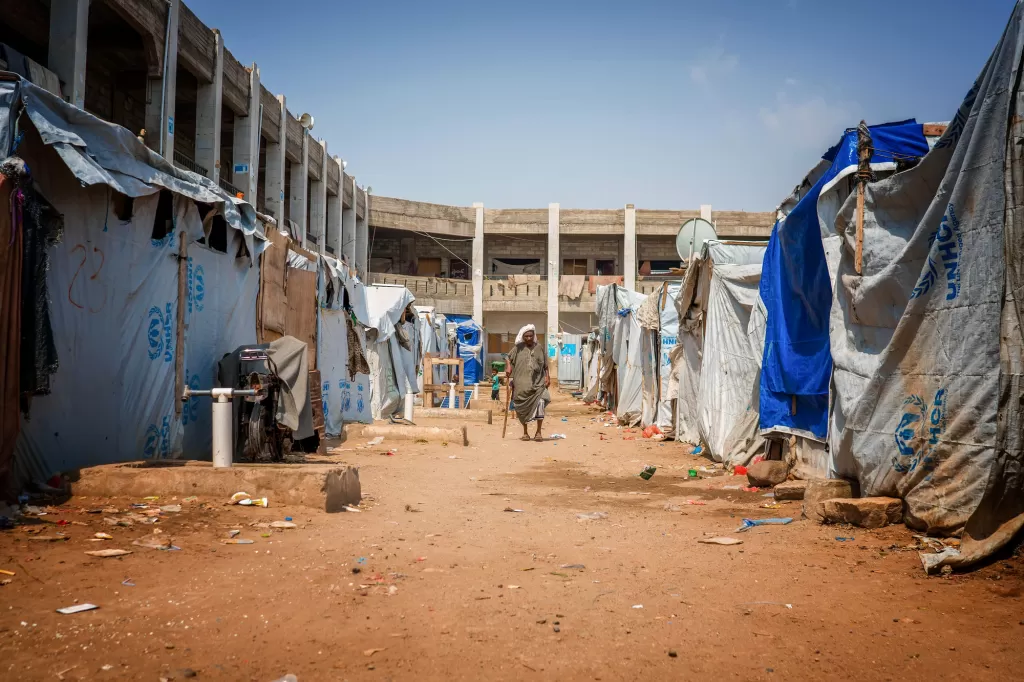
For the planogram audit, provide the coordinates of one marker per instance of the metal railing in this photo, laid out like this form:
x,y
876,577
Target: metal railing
x,y
228,187
189,164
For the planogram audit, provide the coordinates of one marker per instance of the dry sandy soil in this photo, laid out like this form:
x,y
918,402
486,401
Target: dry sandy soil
x,y
452,587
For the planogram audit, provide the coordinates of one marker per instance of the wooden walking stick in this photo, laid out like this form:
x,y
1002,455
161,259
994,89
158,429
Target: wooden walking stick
x,y
865,150
508,403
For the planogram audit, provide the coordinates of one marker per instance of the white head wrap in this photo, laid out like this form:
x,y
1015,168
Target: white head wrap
x,y
522,332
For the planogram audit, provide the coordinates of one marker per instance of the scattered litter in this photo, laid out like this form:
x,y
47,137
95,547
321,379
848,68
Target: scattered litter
x,y
557,436
750,523
513,587
699,503
697,450
361,560
127,582
151,498
103,536
171,508
750,489
692,473
731,487
350,508
578,567
236,541
376,441
48,538
234,532
765,603
565,419
556,573
771,505
720,541
510,509
409,508
104,553
238,497
190,498
77,608
840,538
259,502
371,652
3,572
739,470
638,606
153,542
282,524
592,516
648,472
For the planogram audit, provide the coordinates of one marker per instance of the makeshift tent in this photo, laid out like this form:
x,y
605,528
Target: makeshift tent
x,y
433,340
926,341
113,283
591,368
660,322
389,376
627,336
796,283
718,362
469,336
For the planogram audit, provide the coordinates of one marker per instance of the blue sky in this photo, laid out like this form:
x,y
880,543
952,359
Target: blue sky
x,y
596,104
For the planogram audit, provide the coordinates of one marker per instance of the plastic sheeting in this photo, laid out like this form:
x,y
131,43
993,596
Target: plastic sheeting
x,y
101,153
469,337
796,287
927,344
627,342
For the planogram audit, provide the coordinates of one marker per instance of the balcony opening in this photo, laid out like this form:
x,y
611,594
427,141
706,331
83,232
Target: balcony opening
x,y
116,69
605,267
658,267
459,269
185,98
428,267
574,266
515,266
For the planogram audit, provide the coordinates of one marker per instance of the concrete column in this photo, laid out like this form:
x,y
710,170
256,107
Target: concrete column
x,y
297,200
348,226
209,101
318,209
245,148
160,91
362,236
477,265
705,212
554,268
69,36
629,249
334,208
276,165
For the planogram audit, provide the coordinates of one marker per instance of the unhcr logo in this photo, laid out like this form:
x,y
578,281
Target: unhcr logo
x,y
196,287
159,334
950,242
918,432
157,444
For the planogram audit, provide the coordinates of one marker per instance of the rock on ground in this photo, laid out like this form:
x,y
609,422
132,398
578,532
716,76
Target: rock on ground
x,y
820,489
866,512
790,490
765,474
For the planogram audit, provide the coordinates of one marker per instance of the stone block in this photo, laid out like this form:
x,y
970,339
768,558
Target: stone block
x,y
866,512
820,489
790,490
765,474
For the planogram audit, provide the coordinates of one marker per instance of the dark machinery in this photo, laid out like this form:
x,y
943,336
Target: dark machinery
x,y
258,435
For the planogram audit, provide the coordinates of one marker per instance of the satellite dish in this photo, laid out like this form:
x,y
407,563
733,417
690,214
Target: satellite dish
x,y
306,121
692,236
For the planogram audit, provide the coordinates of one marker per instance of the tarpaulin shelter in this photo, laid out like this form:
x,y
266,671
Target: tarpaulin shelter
x,y
627,336
341,347
926,341
796,286
134,237
469,336
433,340
659,320
718,358
391,374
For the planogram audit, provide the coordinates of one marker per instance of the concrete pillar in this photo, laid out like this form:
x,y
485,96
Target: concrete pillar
x,y
318,209
297,200
209,101
348,226
245,148
69,36
362,235
160,91
629,249
554,268
274,178
705,212
334,209
477,265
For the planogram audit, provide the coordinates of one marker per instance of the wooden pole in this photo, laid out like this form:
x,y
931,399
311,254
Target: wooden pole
x,y
179,355
865,150
508,404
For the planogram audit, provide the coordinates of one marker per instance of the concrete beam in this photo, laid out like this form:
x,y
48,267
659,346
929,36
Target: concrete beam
x,y
362,235
297,200
69,37
629,249
161,90
554,268
348,226
477,265
335,208
209,101
246,144
274,177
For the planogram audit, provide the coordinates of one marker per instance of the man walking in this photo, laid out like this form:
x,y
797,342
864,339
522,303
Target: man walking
x,y
528,378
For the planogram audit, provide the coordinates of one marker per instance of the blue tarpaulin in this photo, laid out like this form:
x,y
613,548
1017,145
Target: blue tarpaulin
x,y
469,336
797,292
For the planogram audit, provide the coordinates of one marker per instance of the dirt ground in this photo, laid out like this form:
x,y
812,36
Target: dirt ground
x,y
451,586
